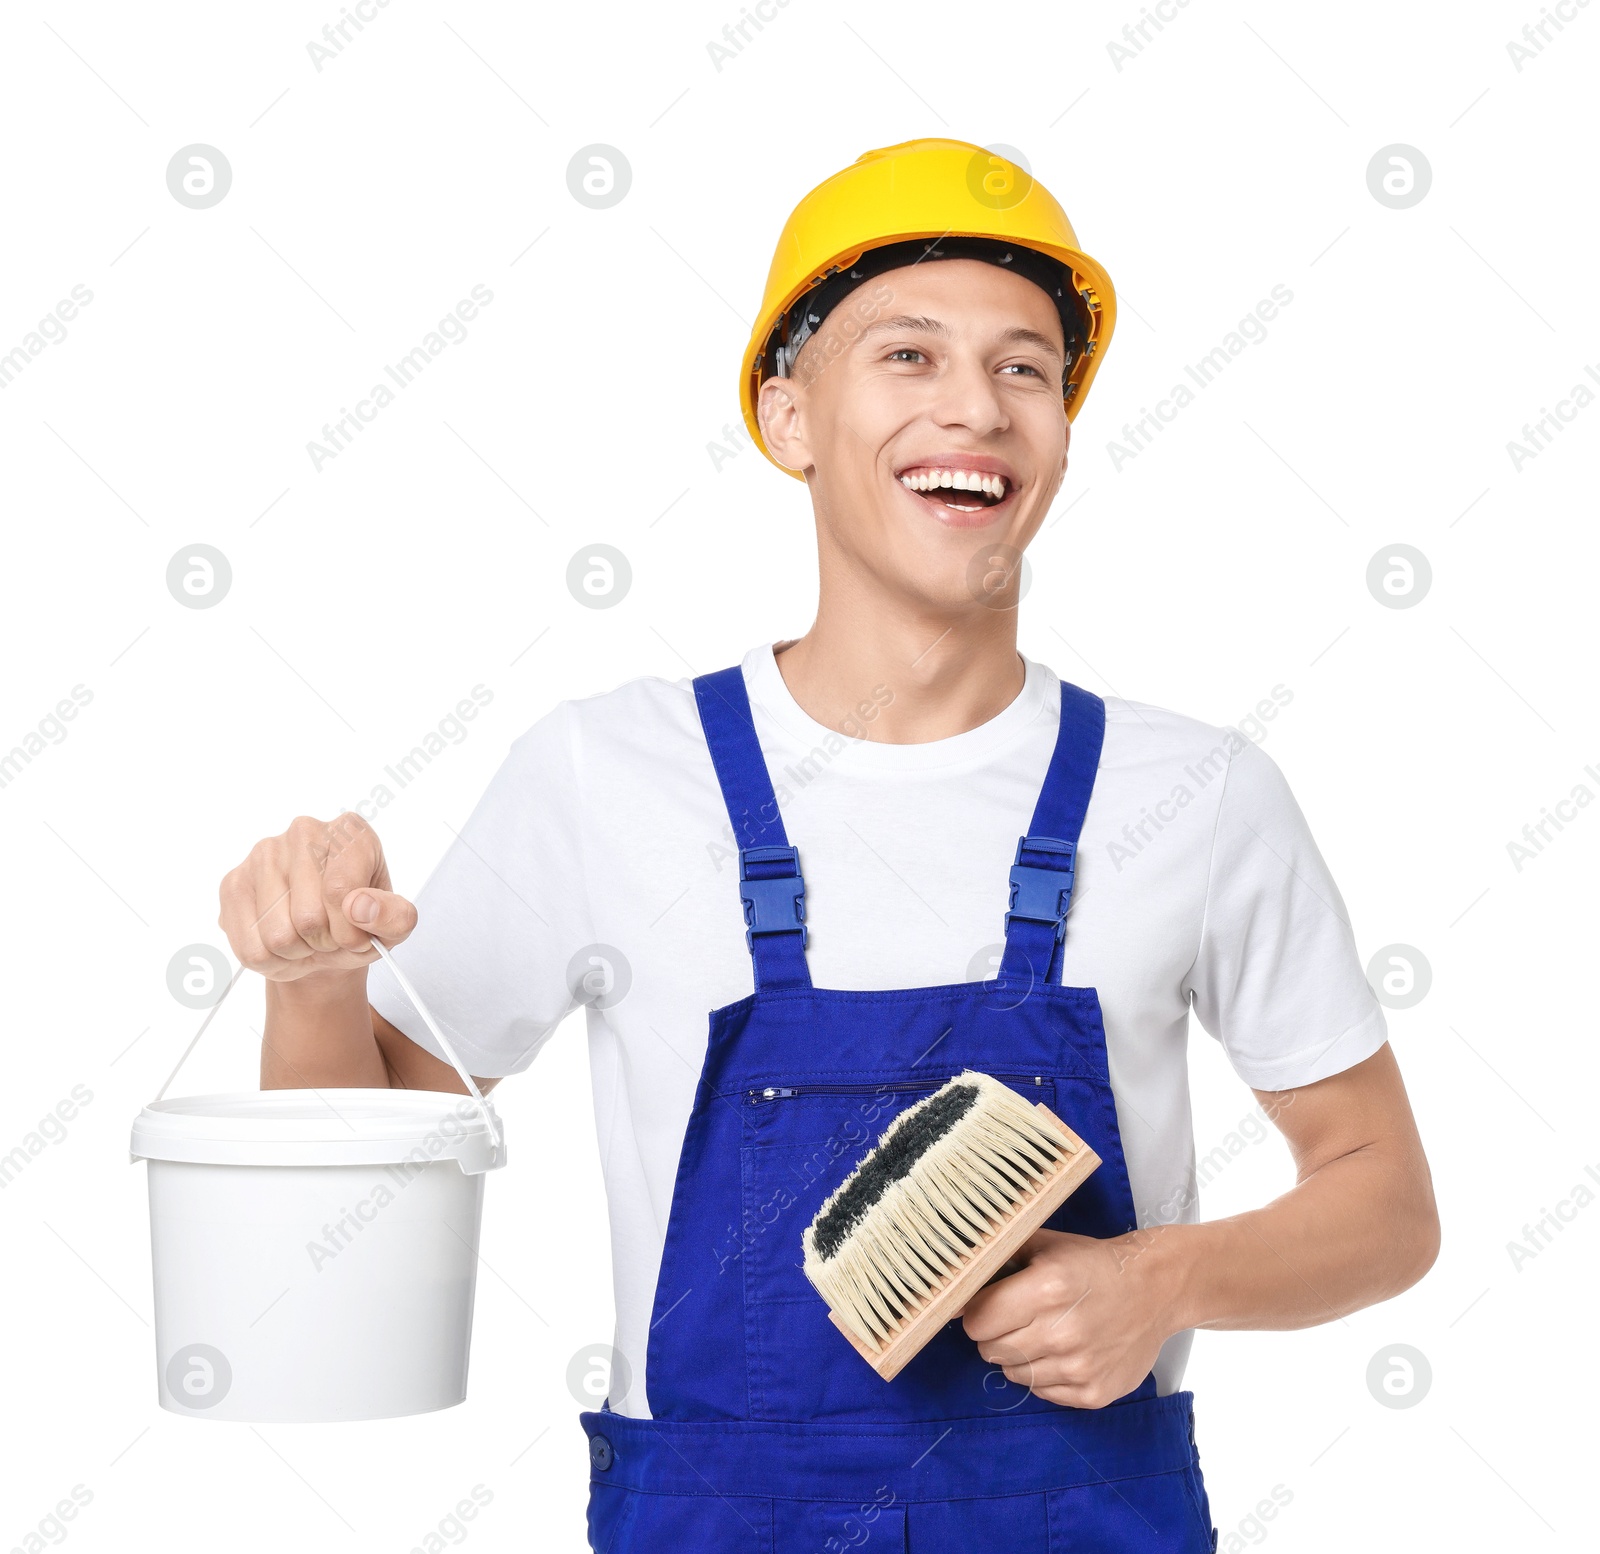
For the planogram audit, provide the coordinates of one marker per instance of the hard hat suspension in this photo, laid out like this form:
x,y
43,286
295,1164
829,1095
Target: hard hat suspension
x,y
805,317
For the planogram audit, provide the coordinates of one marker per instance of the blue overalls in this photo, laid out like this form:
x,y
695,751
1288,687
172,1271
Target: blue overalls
x,y
770,1434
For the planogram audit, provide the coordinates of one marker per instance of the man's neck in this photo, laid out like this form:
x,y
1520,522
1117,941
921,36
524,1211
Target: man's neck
x,y
930,676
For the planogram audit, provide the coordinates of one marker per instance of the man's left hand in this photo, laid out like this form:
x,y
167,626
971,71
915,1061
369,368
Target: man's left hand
x,y
1082,1323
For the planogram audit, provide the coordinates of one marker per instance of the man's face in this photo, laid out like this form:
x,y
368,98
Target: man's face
x,y
948,366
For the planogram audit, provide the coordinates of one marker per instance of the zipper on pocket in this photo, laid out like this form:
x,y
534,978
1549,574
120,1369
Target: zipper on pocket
x,y
888,1087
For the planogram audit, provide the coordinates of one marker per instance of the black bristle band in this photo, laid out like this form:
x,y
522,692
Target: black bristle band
x,y
914,1133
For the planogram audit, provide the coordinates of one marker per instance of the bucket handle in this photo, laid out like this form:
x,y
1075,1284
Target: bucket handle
x,y
489,1120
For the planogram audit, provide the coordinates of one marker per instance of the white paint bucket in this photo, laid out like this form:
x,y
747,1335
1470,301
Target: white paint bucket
x,y
314,1252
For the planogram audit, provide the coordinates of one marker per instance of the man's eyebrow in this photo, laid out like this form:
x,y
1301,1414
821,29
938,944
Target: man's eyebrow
x,y
1024,336
905,321
1018,334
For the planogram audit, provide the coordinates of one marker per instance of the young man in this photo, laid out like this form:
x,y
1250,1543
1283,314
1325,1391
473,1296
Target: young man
x,y
930,328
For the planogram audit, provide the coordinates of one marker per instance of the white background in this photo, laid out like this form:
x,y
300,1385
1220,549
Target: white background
x,y
1228,156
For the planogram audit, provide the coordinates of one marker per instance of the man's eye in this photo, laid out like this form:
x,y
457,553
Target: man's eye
x,y
904,350
1025,366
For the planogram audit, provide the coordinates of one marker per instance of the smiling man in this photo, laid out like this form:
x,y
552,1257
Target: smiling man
x,y
857,851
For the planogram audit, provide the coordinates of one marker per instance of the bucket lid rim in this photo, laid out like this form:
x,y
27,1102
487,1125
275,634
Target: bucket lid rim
x,y
284,1119
405,1100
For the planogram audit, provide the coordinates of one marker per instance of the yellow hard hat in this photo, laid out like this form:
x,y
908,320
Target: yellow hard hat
x,y
930,190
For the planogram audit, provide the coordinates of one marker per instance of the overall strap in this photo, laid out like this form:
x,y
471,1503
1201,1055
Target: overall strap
x,y
1041,878
770,884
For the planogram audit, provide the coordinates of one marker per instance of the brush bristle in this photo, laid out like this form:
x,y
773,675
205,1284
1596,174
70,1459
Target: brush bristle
x,y
946,1173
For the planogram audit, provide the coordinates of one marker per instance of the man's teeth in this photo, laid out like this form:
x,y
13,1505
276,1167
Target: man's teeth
x,y
956,479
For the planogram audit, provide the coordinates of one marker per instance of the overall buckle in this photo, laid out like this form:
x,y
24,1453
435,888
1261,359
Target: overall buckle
x,y
1040,894
776,904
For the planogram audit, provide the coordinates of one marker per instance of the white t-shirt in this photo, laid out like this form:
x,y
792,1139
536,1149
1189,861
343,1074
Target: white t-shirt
x,y
599,867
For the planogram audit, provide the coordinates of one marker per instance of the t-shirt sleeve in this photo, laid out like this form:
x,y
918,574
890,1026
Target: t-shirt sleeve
x,y
501,917
1277,979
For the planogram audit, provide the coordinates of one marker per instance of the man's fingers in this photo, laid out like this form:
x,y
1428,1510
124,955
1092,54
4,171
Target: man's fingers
x,y
351,856
238,920
1002,1307
379,914
287,909
275,927
1026,1346
1038,1373
234,896
1088,1395
308,911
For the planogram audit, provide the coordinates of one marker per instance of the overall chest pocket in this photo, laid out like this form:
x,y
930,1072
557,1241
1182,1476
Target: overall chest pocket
x,y
801,1140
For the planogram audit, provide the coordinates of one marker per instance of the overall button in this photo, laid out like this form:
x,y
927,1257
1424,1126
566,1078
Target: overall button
x,y
601,1455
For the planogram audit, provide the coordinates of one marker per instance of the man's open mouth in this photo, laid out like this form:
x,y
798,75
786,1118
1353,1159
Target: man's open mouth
x,y
957,490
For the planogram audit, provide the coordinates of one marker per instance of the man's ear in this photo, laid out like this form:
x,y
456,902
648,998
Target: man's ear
x,y
780,412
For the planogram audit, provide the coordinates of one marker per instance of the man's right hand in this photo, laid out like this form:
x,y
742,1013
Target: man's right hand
x,y
312,900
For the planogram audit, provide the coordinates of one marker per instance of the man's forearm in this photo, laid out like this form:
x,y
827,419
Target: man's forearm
x,y
319,1035
1359,1230
1084,1320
